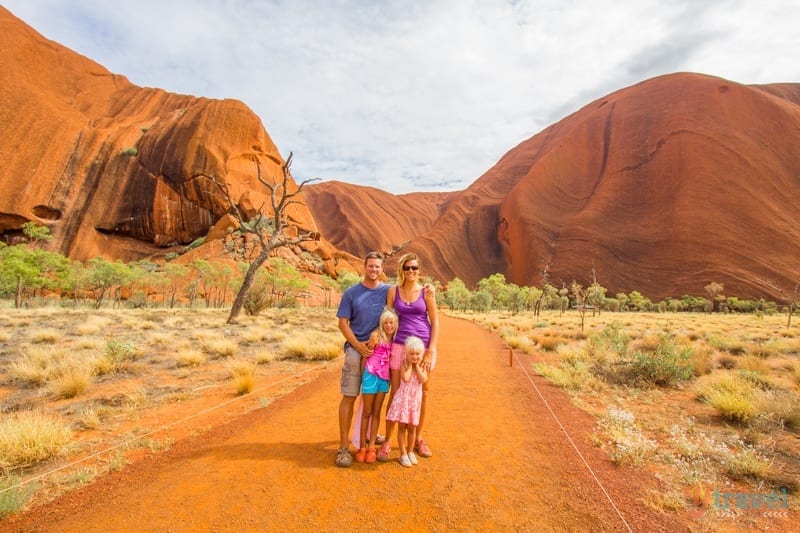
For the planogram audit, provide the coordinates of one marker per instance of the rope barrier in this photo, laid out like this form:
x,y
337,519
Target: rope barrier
x,y
162,428
572,442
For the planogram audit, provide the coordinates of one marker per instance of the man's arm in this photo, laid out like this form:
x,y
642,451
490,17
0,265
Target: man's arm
x,y
344,327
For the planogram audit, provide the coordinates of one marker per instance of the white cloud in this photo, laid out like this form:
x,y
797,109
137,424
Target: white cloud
x,y
410,95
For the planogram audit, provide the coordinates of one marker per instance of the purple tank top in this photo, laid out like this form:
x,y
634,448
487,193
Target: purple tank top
x,y
413,318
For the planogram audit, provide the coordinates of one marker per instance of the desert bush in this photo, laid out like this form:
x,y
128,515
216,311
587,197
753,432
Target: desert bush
x,y
89,418
189,357
264,357
220,347
570,374
610,344
37,365
702,359
71,382
747,461
243,374
121,352
254,335
27,438
734,397
13,496
752,363
312,347
517,342
549,344
45,336
665,365
623,436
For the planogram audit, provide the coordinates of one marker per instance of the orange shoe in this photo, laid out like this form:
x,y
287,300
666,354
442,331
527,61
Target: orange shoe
x,y
371,456
361,454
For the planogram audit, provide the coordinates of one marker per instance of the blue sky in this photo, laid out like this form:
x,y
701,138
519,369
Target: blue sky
x,y
417,95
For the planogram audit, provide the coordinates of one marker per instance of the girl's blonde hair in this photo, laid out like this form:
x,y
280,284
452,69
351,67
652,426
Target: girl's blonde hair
x,y
387,314
415,344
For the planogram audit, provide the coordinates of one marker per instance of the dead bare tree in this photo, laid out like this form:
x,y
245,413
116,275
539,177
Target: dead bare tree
x,y
268,228
792,306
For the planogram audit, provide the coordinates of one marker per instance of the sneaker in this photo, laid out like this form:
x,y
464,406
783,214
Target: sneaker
x,y
421,447
383,453
412,458
343,458
361,454
370,456
405,461
380,439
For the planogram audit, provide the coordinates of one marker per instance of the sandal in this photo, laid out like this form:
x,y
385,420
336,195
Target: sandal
x,y
371,456
343,458
421,447
383,453
361,455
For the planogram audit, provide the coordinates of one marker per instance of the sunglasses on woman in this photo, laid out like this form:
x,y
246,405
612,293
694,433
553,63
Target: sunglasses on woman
x,y
410,267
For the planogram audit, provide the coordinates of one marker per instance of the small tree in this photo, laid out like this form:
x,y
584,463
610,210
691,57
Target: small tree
x,y
267,228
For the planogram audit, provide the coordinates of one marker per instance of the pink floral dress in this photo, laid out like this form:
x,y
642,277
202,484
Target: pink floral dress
x,y
407,403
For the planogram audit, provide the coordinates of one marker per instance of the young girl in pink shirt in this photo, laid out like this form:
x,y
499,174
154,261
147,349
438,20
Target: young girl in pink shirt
x,y
375,384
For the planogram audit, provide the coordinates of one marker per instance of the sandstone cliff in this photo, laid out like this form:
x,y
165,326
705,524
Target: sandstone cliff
x,y
661,187
362,219
115,169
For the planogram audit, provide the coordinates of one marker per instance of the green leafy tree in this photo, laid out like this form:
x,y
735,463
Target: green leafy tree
x,y
106,276
457,295
495,286
175,275
346,280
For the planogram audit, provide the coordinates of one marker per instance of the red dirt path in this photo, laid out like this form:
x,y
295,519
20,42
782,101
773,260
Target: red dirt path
x,y
500,462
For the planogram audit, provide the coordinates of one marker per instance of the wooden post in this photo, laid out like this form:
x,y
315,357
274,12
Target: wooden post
x,y
510,357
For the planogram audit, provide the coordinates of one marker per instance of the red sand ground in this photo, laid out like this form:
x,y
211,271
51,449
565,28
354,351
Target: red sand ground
x,y
501,462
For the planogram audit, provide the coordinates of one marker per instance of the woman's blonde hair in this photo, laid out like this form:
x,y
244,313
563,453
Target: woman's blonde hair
x,y
401,275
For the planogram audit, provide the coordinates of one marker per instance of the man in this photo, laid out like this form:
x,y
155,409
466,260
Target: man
x,y
359,313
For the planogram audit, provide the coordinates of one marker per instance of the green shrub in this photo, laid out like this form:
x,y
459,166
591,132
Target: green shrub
x,y
664,366
13,496
131,150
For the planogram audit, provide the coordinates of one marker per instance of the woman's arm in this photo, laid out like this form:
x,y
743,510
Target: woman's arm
x,y
433,318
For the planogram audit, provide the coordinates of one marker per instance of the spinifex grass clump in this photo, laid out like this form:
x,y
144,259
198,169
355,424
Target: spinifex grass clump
x,y
28,438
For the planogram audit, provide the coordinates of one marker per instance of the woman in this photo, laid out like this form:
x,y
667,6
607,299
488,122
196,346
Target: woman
x,y
416,308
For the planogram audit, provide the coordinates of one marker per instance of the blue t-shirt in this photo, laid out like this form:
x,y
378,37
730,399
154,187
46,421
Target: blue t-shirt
x,y
363,307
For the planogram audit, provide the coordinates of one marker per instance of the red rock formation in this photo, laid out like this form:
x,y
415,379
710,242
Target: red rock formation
x,y
362,219
661,187
115,169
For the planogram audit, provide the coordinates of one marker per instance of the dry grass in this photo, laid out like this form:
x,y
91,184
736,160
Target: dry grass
x,y
243,374
99,373
739,374
31,437
313,346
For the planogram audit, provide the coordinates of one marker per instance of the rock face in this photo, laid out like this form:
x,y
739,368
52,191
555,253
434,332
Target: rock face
x,y
114,169
363,219
662,187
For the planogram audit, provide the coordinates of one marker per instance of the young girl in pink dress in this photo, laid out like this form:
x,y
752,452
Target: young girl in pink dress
x,y
375,384
407,401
